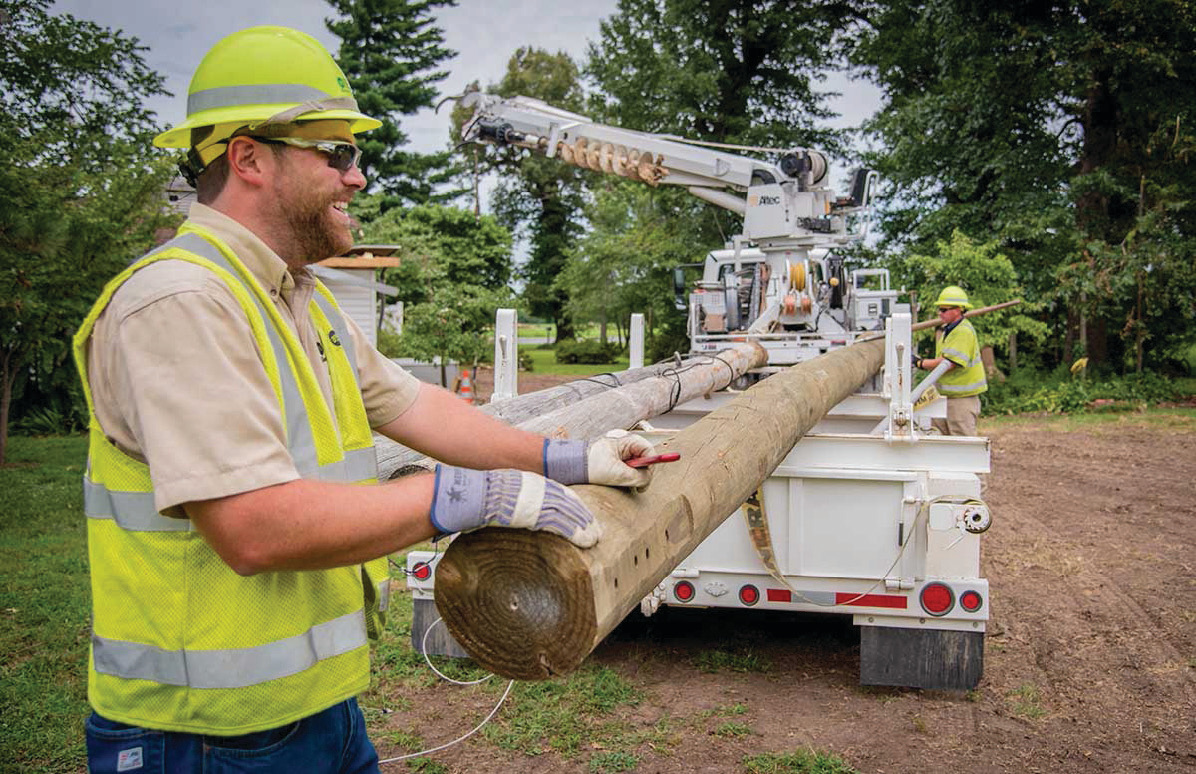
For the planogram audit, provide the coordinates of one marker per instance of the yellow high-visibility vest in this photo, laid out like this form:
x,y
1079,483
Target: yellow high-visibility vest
x,y
962,347
179,641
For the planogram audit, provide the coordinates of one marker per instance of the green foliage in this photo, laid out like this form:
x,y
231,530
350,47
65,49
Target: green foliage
x,y
1065,393
623,265
538,198
466,249
585,351
453,276
44,606
987,275
391,51
745,71
797,762
1063,131
81,185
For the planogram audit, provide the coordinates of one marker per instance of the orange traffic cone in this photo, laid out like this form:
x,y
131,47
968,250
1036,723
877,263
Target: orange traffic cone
x,y
466,388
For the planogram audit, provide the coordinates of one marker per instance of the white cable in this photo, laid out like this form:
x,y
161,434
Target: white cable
x,y
424,649
478,727
462,738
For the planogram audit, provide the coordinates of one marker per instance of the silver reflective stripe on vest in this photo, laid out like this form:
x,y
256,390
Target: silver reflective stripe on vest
x,y
234,667
262,94
358,465
300,442
948,389
133,511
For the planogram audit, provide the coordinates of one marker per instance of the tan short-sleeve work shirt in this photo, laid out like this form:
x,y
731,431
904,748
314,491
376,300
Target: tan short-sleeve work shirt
x,y
178,381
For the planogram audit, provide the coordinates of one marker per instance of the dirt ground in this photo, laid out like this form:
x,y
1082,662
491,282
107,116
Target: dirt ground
x,y
1090,658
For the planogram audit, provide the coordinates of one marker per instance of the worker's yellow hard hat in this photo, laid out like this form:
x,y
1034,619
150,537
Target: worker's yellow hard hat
x,y
266,75
953,295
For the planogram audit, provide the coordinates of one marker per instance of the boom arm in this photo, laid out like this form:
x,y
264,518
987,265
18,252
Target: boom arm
x,y
785,206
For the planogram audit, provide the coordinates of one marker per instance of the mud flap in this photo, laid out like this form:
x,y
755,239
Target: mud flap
x,y
934,659
439,642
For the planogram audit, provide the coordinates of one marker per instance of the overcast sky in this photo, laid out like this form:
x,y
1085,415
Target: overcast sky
x,y
484,33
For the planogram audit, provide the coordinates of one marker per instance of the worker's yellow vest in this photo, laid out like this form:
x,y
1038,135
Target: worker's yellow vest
x,y
179,641
961,345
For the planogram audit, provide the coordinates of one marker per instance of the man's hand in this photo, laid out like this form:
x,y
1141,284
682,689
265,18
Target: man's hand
x,y
466,499
599,461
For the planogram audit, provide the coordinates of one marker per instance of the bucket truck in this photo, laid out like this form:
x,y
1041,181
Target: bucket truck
x,y
870,514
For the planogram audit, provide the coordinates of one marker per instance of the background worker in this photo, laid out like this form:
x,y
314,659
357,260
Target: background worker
x,y
956,342
238,564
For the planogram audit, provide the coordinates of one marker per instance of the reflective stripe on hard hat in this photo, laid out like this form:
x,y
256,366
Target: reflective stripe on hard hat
x,y
267,94
237,668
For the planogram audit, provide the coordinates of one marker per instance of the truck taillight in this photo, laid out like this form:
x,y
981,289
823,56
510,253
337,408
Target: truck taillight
x,y
937,598
683,590
422,571
749,595
971,601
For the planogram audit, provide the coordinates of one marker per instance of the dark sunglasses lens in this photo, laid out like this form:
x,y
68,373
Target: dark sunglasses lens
x,y
341,157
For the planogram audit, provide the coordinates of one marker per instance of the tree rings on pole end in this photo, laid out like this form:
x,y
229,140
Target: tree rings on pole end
x,y
521,603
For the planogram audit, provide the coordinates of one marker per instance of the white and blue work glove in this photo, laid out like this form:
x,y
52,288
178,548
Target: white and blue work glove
x,y
599,461
466,499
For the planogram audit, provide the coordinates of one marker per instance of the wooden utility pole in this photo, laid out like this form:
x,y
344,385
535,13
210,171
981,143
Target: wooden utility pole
x,y
584,409
530,605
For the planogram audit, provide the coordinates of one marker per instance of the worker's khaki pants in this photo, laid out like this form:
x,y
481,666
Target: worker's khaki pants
x,y
962,414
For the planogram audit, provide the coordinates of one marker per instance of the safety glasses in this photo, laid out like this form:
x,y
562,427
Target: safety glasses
x,y
342,156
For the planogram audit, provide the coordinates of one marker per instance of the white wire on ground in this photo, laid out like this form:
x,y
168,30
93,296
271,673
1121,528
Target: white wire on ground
x,y
463,737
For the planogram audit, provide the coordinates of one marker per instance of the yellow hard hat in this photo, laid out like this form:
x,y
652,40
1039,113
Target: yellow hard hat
x,y
266,75
953,295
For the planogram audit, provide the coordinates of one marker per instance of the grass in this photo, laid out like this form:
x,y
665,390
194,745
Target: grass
x,y
737,660
797,762
44,605
544,363
566,714
1026,702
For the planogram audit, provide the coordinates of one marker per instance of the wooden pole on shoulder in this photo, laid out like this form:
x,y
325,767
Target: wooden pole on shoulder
x,y
530,605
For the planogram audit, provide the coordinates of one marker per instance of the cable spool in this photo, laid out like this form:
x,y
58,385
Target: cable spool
x,y
797,275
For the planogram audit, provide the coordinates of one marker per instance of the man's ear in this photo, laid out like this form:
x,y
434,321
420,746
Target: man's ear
x,y
250,161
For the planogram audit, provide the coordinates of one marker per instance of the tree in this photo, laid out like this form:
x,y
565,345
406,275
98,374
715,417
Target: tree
x,y
1062,129
81,185
739,71
985,273
742,72
453,275
539,198
390,51
622,265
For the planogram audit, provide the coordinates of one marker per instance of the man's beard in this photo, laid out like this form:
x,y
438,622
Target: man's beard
x,y
314,233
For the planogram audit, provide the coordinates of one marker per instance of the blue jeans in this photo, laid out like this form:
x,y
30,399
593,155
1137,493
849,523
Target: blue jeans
x,y
330,741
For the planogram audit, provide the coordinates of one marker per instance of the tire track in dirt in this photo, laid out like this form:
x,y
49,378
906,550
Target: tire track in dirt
x,y
1077,554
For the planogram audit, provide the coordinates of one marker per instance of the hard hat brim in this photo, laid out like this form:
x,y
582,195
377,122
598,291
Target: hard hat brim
x,y
180,136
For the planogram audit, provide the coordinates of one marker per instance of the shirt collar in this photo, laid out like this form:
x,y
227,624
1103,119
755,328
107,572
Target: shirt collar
x,y
948,328
262,262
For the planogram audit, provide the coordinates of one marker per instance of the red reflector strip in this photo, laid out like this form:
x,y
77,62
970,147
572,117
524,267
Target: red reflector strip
x,y
779,595
871,600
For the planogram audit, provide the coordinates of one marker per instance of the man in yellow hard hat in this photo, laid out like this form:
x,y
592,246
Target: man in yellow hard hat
x,y
238,539
956,344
